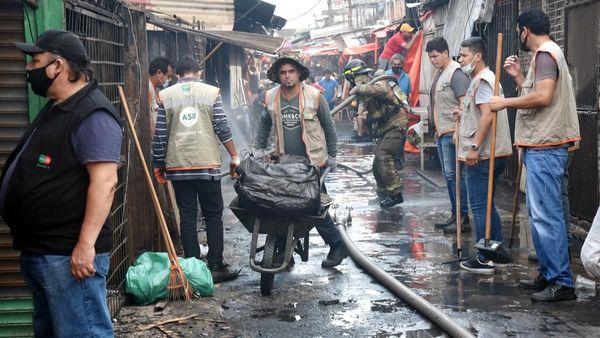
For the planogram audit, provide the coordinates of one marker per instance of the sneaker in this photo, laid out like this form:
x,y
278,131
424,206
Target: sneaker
x,y
390,201
464,228
554,293
537,284
501,257
451,220
478,266
222,272
335,256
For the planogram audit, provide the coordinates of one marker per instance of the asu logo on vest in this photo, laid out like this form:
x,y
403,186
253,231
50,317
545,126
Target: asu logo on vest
x,y
188,116
44,161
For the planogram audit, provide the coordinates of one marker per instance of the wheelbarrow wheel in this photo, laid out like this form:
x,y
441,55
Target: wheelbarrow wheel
x,y
266,279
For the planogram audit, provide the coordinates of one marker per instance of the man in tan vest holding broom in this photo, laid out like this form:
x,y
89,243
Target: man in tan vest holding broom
x,y
546,126
474,148
189,125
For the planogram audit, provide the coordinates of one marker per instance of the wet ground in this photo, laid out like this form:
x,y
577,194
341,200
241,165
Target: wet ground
x,y
309,301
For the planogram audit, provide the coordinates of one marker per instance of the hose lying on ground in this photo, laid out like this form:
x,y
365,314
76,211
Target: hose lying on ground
x,y
419,303
356,171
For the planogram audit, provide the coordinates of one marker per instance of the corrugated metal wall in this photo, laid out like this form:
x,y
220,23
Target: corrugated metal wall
x,y
15,298
214,14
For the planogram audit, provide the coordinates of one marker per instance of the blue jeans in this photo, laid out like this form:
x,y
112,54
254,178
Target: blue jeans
x,y
545,170
447,154
63,306
477,185
564,190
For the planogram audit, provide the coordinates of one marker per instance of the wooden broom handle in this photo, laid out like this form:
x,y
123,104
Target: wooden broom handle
x,y
457,200
157,208
488,215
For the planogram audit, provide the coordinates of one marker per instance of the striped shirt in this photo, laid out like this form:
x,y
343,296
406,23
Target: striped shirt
x,y
161,141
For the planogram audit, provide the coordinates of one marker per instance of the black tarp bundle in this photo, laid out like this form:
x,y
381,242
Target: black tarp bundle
x,y
288,188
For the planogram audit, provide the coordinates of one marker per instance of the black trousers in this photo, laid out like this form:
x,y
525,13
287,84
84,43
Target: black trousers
x,y
188,193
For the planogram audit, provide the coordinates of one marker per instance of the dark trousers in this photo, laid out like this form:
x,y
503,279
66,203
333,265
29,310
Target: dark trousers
x,y
329,232
188,193
384,169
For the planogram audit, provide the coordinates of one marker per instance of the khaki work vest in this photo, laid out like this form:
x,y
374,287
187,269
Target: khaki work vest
x,y
469,123
557,123
193,143
445,102
313,135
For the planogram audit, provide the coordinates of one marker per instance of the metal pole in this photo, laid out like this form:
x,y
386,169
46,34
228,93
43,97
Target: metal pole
x,y
419,303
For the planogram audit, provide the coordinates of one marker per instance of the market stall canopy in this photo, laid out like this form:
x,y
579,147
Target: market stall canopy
x,y
383,31
262,43
217,14
318,50
361,49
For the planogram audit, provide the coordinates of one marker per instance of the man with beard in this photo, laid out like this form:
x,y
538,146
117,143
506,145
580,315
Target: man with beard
x,y
546,126
385,104
303,126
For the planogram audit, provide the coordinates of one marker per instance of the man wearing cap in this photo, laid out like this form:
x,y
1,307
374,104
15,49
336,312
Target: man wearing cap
x,y
399,43
57,188
303,126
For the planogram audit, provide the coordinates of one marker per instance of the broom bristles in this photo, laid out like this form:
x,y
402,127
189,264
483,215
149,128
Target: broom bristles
x,y
179,287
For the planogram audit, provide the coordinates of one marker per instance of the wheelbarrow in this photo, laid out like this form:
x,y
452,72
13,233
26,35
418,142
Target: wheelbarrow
x,y
284,236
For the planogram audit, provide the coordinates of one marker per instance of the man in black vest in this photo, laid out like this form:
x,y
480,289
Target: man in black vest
x,y
57,188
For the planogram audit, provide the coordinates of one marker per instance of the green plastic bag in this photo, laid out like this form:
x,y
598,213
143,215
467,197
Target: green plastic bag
x,y
148,278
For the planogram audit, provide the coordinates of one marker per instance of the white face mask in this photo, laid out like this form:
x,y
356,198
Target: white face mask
x,y
468,68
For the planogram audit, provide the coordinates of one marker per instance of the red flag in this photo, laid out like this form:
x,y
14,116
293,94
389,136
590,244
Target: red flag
x,y
412,63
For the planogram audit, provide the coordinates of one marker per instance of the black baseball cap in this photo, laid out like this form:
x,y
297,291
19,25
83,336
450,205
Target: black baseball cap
x,y
57,41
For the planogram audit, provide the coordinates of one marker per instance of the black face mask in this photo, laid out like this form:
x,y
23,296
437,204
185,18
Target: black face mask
x,y
523,44
396,70
40,82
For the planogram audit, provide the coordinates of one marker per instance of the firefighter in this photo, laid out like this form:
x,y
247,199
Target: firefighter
x,y
386,107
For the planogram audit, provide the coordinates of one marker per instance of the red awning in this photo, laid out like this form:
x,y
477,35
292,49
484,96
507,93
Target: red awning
x,y
356,50
320,50
382,32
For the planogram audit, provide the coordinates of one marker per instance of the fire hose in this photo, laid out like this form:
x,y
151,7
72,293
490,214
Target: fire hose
x,y
407,295
351,98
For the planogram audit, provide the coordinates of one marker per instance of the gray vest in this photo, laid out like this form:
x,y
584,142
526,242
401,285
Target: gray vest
x,y
557,123
469,123
445,102
193,143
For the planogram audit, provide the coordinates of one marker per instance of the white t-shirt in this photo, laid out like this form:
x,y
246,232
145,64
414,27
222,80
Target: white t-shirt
x,y
590,251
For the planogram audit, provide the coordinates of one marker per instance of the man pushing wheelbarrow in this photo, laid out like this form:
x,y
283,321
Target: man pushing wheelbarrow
x,y
303,127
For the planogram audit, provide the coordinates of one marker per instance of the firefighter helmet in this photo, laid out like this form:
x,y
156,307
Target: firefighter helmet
x,y
353,68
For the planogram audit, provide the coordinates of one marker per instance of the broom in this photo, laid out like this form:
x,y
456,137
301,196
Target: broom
x,y
179,287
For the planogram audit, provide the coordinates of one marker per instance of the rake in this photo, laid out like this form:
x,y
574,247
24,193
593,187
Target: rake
x,y
179,287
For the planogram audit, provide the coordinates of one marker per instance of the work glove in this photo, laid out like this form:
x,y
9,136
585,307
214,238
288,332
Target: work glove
x,y
159,174
331,163
235,162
